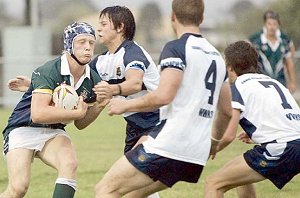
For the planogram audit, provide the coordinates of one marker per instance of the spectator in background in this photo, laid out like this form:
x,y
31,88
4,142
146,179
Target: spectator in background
x,y
276,51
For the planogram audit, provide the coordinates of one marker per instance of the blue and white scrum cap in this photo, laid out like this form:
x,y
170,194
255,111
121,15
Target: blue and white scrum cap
x,y
73,30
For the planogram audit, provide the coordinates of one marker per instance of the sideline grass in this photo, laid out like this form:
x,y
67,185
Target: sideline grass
x,y
99,145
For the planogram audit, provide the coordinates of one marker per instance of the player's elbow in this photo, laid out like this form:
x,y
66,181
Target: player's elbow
x,y
227,114
37,117
137,86
163,100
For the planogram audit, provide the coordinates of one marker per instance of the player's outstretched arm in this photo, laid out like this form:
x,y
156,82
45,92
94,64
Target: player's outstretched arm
x,y
222,119
230,133
169,83
290,67
91,114
20,83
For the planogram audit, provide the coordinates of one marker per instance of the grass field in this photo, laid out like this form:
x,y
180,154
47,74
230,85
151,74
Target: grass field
x,y
99,145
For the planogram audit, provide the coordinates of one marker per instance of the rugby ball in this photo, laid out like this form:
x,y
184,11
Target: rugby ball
x,y
65,96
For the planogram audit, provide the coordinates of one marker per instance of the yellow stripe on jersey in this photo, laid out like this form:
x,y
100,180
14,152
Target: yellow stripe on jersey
x,y
46,91
91,104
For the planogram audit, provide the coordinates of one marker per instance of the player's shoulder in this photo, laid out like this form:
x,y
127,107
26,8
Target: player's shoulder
x,y
94,62
285,37
174,47
131,47
50,67
180,43
255,37
134,52
177,43
95,76
255,34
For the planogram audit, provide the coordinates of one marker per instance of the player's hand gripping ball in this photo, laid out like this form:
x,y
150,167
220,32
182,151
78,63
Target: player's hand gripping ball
x,y
65,96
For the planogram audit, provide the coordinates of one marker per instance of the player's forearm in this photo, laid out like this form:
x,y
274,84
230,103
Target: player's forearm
x,y
290,70
53,115
221,124
129,87
225,141
223,113
149,102
231,130
91,115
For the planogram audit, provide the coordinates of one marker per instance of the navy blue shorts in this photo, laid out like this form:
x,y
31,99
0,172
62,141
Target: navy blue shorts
x,y
166,170
133,134
278,162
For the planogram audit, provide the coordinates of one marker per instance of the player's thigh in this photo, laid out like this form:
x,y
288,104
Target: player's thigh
x,y
19,165
124,177
235,173
57,151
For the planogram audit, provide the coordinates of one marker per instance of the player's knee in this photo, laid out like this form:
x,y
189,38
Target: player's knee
x,y
101,190
69,165
98,189
210,184
18,188
247,191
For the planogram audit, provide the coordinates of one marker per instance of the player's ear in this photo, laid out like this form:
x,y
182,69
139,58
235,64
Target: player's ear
x,y
173,16
120,28
201,19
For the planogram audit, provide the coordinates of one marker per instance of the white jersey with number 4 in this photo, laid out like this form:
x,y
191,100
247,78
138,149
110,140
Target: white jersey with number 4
x,y
268,110
189,117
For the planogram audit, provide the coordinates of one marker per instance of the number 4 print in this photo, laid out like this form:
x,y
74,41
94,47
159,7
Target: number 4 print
x,y
212,72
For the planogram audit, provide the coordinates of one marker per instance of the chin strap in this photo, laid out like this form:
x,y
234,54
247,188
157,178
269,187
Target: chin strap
x,y
80,63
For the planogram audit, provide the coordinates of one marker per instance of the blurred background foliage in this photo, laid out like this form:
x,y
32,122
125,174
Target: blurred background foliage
x,y
246,19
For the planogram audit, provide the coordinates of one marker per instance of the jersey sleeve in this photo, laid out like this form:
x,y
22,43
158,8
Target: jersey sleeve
x,y
93,64
42,82
237,100
254,36
95,78
135,58
172,56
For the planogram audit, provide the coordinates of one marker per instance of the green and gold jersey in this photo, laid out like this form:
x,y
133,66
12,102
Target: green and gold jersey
x,y
272,56
44,80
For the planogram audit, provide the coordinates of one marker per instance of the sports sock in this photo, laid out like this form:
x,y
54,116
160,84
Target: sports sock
x,y
64,188
154,195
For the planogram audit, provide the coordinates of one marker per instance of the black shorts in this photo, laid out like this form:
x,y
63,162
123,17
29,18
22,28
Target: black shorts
x,y
133,134
278,162
166,170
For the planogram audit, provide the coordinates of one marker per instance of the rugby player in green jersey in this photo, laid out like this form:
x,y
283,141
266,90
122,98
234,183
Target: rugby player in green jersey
x,y
35,128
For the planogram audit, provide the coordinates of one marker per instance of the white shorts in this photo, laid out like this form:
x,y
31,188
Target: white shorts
x,y
32,138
